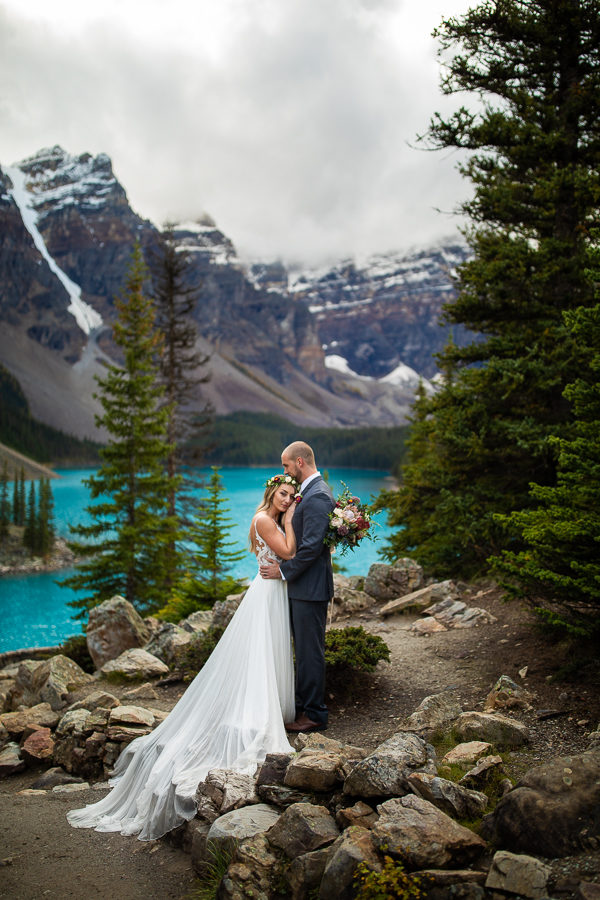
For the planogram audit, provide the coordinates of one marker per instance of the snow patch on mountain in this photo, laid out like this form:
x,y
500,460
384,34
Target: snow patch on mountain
x,y
86,317
339,364
58,179
404,376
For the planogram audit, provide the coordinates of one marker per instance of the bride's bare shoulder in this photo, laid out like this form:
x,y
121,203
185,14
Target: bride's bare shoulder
x,y
263,523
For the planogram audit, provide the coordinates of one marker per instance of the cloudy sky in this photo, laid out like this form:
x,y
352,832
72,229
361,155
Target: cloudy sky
x,y
289,121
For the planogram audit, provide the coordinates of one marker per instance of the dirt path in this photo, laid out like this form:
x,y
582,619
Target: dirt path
x,y
45,857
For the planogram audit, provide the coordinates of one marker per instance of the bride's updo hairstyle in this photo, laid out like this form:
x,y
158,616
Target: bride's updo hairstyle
x,y
271,486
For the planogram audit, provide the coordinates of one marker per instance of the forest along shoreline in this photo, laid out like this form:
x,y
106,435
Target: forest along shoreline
x,y
458,655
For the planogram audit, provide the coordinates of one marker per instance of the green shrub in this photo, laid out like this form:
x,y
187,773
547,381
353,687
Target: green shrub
x,y
392,883
355,649
213,872
190,658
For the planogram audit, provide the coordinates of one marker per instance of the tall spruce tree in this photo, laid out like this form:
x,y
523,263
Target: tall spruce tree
x,y
532,153
183,372
211,558
558,571
5,511
44,528
127,545
29,530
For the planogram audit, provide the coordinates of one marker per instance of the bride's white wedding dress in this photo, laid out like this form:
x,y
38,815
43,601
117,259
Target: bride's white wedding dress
x,y
230,717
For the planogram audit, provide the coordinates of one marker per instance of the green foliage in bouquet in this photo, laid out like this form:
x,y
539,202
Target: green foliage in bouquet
x,y
349,522
353,648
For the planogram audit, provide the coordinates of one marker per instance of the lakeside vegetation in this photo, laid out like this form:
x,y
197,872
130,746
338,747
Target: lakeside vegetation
x,y
22,432
251,438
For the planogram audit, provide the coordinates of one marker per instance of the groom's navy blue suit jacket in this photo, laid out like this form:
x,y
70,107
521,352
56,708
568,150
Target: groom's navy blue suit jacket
x,y
309,574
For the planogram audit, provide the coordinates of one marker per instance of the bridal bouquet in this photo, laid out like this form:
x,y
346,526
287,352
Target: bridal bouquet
x,y
349,522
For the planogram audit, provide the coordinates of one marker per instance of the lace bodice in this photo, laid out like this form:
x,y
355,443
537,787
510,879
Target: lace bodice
x,y
263,551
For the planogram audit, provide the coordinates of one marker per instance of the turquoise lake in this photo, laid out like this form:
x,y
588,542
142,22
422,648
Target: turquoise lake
x,y
35,611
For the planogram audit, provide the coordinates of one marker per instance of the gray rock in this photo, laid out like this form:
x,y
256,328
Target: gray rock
x,y
304,873
273,769
11,760
74,721
142,692
317,741
301,828
131,715
235,826
7,686
384,773
456,614
425,596
280,796
49,681
388,582
466,754
223,610
552,810
252,871
222,791
96,699
422,836
435,713
113,627
522,875
353,847
196,835
507,694
167,641
451,798
136,663
360,814
198,621
480,774
54,776
493,727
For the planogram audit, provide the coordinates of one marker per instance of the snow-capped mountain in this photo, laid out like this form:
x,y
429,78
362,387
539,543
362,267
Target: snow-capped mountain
x,y
344,345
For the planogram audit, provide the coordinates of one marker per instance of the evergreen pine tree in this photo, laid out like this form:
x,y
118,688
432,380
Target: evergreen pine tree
x,y
29,531
127,544
45,524
558,570
180,367
532,156
19,498
5,512
210,559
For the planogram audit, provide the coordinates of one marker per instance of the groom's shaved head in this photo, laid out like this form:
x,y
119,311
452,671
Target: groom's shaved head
x,y
300,449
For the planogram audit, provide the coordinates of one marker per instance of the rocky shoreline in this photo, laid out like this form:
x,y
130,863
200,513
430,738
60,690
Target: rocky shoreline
x,y
16,561
439,794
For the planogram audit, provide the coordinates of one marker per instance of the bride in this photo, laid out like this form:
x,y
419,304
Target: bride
x,y
230,716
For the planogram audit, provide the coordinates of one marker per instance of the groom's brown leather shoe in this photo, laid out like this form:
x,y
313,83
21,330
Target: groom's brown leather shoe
x,y
304,724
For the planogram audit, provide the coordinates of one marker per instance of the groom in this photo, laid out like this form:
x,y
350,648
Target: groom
x,y
310,585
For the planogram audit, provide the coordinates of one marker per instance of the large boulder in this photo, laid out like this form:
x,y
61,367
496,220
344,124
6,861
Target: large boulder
x,y
501,731
421,836
388,582
48,681
135,663
384,773
252,872
315,770
113,627
222,791
554,810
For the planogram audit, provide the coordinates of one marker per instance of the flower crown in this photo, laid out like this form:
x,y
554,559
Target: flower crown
x,y
282,479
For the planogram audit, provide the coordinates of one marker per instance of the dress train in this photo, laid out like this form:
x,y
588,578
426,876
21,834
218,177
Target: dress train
x,y
230,717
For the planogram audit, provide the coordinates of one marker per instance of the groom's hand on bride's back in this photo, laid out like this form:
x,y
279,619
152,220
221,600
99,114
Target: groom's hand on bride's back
x,y
270,570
